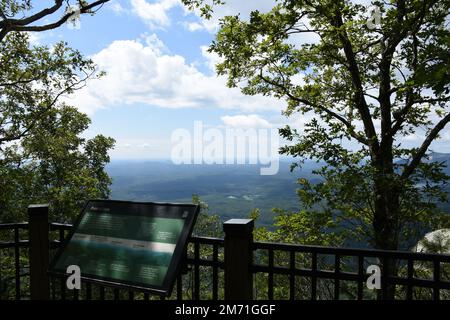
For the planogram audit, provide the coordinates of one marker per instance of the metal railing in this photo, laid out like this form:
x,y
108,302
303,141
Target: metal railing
x,y
343,273
203,253
235,268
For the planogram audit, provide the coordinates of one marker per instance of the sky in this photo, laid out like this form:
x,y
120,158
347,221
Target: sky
x,y
160,76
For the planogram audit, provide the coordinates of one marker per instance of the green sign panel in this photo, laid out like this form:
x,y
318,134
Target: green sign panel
x,y
135,244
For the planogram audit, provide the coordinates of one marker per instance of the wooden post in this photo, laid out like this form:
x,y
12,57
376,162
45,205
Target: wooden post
x,y
39,251
238,259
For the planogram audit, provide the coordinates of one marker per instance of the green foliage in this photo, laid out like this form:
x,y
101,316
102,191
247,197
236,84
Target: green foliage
x,y
205,9
207,225
10,8
43,156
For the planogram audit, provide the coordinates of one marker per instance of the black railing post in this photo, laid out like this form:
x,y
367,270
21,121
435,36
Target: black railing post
x,y
238,259
39,251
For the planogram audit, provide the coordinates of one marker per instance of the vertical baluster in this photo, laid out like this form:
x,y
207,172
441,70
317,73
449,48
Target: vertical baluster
x,y
270,275
337,271
88,291
17,261
436,279
63,288
362,277
384,282
409,287
314,276
179,287
196,271
292,275
53,288
215,272
102,293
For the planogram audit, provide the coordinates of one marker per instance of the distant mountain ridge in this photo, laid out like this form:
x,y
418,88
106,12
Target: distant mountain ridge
x,y
439,157
231,191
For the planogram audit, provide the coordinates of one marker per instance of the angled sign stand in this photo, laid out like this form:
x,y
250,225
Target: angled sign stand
x,y
128,244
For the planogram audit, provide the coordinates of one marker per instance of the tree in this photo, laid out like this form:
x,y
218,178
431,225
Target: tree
x,y
43,157
361,87
207,224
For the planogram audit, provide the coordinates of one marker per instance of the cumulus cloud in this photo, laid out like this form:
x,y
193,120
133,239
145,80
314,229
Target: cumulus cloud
x,y
116,7
155,14
141,71
192,26
211,58
35,38
246,121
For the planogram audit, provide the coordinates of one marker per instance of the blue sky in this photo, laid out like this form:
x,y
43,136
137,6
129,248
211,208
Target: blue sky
x,y
160,77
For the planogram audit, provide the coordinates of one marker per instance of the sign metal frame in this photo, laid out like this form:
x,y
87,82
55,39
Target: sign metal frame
x,y
176,262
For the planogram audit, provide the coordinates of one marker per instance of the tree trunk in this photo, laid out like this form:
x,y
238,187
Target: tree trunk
x,y
386,234
386,218
385,222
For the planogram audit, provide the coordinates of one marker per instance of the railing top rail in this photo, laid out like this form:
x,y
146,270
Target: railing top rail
x,y
207,240
58,226
375,253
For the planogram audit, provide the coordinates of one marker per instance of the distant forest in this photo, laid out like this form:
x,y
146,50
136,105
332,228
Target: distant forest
x,y
231,191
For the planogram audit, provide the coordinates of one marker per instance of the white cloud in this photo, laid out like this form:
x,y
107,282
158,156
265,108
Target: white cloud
x,y
298,79
154,42
35,38
155,14
233,7
140,71
141,148
116,7
212,58
193,26
246,121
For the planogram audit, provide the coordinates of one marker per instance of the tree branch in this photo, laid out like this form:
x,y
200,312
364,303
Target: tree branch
x,y
9,25
360,101
326,110
34,17
424,147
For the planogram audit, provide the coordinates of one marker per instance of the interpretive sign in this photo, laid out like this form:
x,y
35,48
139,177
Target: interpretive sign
x,y
139,245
